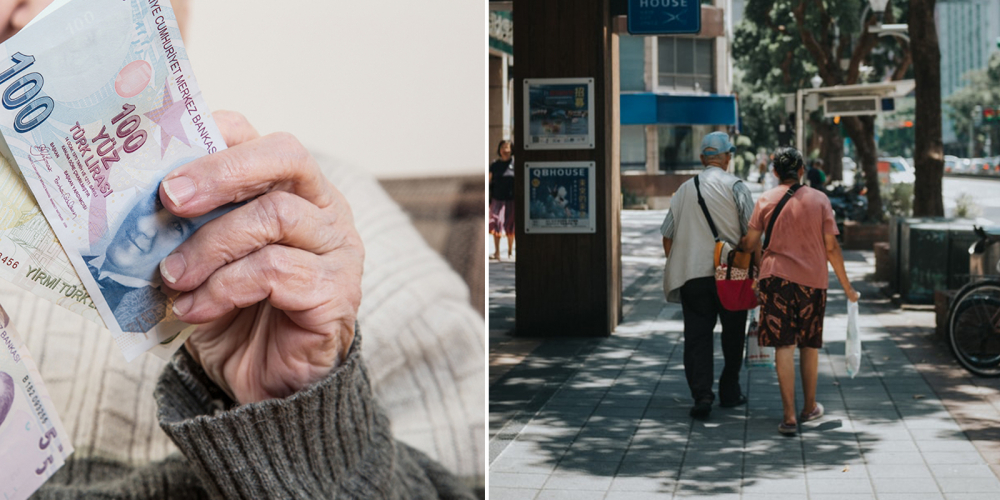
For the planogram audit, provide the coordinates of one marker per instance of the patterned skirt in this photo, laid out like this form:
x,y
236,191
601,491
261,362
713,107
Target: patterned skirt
x,y
501,217
790,314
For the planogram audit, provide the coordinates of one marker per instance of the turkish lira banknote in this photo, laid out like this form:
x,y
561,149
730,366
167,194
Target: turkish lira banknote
x,y
33,442
99,104
30,254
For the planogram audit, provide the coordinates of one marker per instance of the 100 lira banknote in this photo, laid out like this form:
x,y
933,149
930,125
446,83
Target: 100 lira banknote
x,y
99,104
33,442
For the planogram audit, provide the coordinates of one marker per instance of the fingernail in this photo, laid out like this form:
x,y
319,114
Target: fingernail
x,y
172,267
180,190
183,304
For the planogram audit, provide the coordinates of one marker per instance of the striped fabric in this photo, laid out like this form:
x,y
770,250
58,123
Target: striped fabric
x,y
424,349
744,205
450,213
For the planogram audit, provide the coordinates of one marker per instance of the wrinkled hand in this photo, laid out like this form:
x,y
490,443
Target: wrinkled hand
x,y
274,285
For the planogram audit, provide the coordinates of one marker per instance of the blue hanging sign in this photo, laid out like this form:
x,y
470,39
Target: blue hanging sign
x,y
664,17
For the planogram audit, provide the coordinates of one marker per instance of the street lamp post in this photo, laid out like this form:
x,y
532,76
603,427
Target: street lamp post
x,y
898,30
800,119
878,6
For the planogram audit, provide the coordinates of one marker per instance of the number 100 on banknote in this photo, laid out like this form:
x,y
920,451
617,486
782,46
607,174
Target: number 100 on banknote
x,y
99,103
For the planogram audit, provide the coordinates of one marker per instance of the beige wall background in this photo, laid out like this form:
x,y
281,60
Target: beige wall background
x,y
395,87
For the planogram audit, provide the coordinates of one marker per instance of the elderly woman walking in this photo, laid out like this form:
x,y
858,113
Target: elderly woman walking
x,y
800,237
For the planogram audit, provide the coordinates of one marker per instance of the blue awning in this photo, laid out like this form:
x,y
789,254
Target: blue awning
x,y
649,109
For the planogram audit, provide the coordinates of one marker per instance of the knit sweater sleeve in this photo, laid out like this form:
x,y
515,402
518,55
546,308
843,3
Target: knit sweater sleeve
x,y
329,440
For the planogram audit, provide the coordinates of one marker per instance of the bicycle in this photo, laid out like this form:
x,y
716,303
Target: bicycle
x,y
974,318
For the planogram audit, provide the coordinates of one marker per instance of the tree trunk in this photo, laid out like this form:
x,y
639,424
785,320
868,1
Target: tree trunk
x,y
861,130
831,150
928,156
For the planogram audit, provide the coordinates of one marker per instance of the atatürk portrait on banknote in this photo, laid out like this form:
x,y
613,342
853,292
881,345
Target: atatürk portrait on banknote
x,y
128,269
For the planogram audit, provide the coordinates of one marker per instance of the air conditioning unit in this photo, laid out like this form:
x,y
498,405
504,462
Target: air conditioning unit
x,y
852,106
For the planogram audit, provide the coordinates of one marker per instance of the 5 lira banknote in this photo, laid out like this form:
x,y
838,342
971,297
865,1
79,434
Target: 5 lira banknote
x,y
99,103
33,442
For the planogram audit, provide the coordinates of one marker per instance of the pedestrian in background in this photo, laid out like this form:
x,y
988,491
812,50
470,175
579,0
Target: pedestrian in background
x,y
502,198
689,276
815,175
801,238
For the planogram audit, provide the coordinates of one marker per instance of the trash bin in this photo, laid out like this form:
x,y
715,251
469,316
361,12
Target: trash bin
x,y
897,226
933,256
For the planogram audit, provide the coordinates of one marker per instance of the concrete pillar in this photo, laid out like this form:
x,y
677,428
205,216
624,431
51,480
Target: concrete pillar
x,y
499,127
652,149
570,284
652,64
652,70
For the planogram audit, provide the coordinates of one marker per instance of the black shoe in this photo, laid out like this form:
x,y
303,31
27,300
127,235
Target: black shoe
x,y
740,401
701,409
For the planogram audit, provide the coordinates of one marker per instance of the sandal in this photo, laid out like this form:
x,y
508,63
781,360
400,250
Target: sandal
x,y
788,429
813,415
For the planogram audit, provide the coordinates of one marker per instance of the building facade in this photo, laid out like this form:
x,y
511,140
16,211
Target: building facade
x,y
968,31
675,89
501,59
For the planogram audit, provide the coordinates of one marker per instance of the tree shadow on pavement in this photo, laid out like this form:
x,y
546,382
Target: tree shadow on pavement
x,y
614,414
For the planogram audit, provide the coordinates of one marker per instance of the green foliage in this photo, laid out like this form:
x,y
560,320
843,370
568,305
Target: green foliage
x,y
966,206
631,198
771,57
898,199
744,157
768,44
761,112
983,89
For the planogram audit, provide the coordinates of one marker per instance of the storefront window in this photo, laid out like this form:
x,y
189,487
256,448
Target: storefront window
x,y
678,146
685,63
632,63
633,148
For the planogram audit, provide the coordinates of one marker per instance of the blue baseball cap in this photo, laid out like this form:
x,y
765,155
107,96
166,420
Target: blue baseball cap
x,y
719,141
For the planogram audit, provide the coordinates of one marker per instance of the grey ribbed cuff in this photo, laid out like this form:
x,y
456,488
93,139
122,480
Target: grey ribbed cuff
x,y
327,440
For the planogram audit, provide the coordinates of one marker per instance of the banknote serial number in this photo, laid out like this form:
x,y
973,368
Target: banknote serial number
x,y
46,440
8,261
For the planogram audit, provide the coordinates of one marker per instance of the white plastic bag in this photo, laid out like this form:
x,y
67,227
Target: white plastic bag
x,y
852,349
757,355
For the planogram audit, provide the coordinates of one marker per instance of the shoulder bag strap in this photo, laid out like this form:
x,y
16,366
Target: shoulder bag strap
x,y
704,208
777,210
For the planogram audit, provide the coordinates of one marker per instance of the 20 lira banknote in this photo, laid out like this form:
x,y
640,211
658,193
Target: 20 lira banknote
x,y
30,254
99,104
33,442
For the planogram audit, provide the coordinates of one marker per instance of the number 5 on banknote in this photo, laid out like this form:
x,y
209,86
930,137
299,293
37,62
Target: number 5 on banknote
x,y
33,442
95,116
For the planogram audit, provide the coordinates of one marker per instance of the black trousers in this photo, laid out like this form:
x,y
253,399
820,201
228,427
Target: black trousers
x,y
700,303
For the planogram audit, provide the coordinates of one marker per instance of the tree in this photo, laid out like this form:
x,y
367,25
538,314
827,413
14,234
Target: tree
x,y
782,43
982,89
928,155
760,112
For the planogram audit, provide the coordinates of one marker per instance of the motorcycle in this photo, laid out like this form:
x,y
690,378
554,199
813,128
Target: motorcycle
x,y
848,203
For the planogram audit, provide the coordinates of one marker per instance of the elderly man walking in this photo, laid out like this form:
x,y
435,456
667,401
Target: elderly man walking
x,y
713,206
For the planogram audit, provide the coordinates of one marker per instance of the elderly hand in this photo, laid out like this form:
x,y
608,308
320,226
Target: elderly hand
x,y
274,285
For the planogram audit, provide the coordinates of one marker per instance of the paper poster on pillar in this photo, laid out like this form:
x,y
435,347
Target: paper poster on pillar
x,y
560,197
559,113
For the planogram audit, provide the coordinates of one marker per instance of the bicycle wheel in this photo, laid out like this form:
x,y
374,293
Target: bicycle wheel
x,y
974,328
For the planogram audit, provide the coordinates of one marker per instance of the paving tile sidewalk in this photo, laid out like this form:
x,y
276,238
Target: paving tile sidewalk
x,y
607,418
